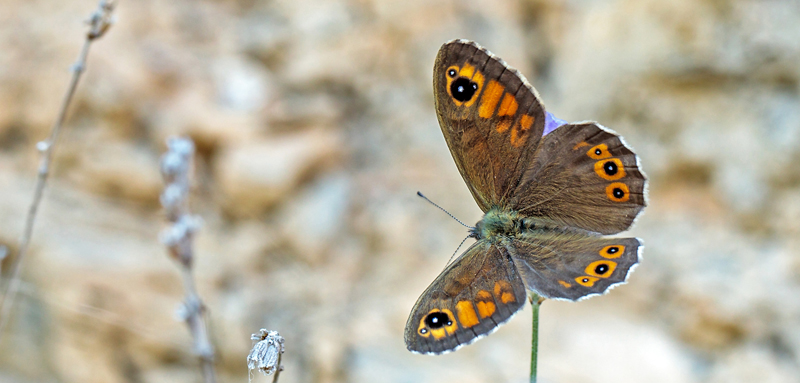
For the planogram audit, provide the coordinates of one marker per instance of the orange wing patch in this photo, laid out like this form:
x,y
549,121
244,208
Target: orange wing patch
x,y
490,99
516,138
477,77
580,145
525,122
509,106
467,71
503,126
485,304
450,79
504,292
466,314
565,284
519,133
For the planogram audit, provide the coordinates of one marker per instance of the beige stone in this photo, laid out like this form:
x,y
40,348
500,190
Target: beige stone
x,y
255,175
119,170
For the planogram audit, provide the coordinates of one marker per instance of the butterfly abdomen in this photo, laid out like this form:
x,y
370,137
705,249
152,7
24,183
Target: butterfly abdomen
x,y
498,224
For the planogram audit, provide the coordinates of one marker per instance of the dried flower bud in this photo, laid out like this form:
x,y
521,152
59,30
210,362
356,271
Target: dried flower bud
x,y
173,196
100,20
176,162
266,353
181,145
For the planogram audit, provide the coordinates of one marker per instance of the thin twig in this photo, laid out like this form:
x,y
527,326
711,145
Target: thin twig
x,y
536,301
94,313
99,22
175,168
3,254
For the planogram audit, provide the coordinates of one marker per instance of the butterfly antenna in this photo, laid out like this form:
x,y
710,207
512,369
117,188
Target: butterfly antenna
x,y
445,211
456,252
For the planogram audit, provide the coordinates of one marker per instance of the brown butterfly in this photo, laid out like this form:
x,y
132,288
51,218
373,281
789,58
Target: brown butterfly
x,y
550,191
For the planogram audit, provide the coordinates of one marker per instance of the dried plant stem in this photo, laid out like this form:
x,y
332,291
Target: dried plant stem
x,y
178,237
278,371
195,319
99,23
536,301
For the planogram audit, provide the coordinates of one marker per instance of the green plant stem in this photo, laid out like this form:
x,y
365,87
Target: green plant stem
x,y
536,301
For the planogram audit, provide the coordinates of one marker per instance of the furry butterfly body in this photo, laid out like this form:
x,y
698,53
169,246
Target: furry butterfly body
x,y
549,191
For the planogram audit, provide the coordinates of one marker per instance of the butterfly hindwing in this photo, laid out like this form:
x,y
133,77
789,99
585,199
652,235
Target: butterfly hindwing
x,y
572,265
583,176
490,116
470,298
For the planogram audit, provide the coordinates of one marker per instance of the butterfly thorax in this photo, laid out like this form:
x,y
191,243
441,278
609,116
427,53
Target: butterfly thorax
x,y
497,224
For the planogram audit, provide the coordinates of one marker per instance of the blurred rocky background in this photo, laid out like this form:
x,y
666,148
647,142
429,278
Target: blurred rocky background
x,y
315,127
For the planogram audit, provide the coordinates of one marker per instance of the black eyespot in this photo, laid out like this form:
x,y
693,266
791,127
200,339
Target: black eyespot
x,y
451,72
613,250
598,152
601,269
462,89
610,167
423,331
618,193
585,280
437,320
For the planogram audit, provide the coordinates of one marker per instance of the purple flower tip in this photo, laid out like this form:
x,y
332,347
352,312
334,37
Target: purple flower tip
x,y
551,123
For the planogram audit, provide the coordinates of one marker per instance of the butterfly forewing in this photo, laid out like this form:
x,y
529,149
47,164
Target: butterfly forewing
x,y
584,177
490,116
469,299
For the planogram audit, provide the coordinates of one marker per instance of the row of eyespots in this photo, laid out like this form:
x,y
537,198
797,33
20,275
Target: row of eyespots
x,y
595,271
602,268
441,322
610,169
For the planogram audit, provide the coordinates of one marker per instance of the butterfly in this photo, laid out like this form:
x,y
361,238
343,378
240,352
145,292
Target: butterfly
x,y
550,191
